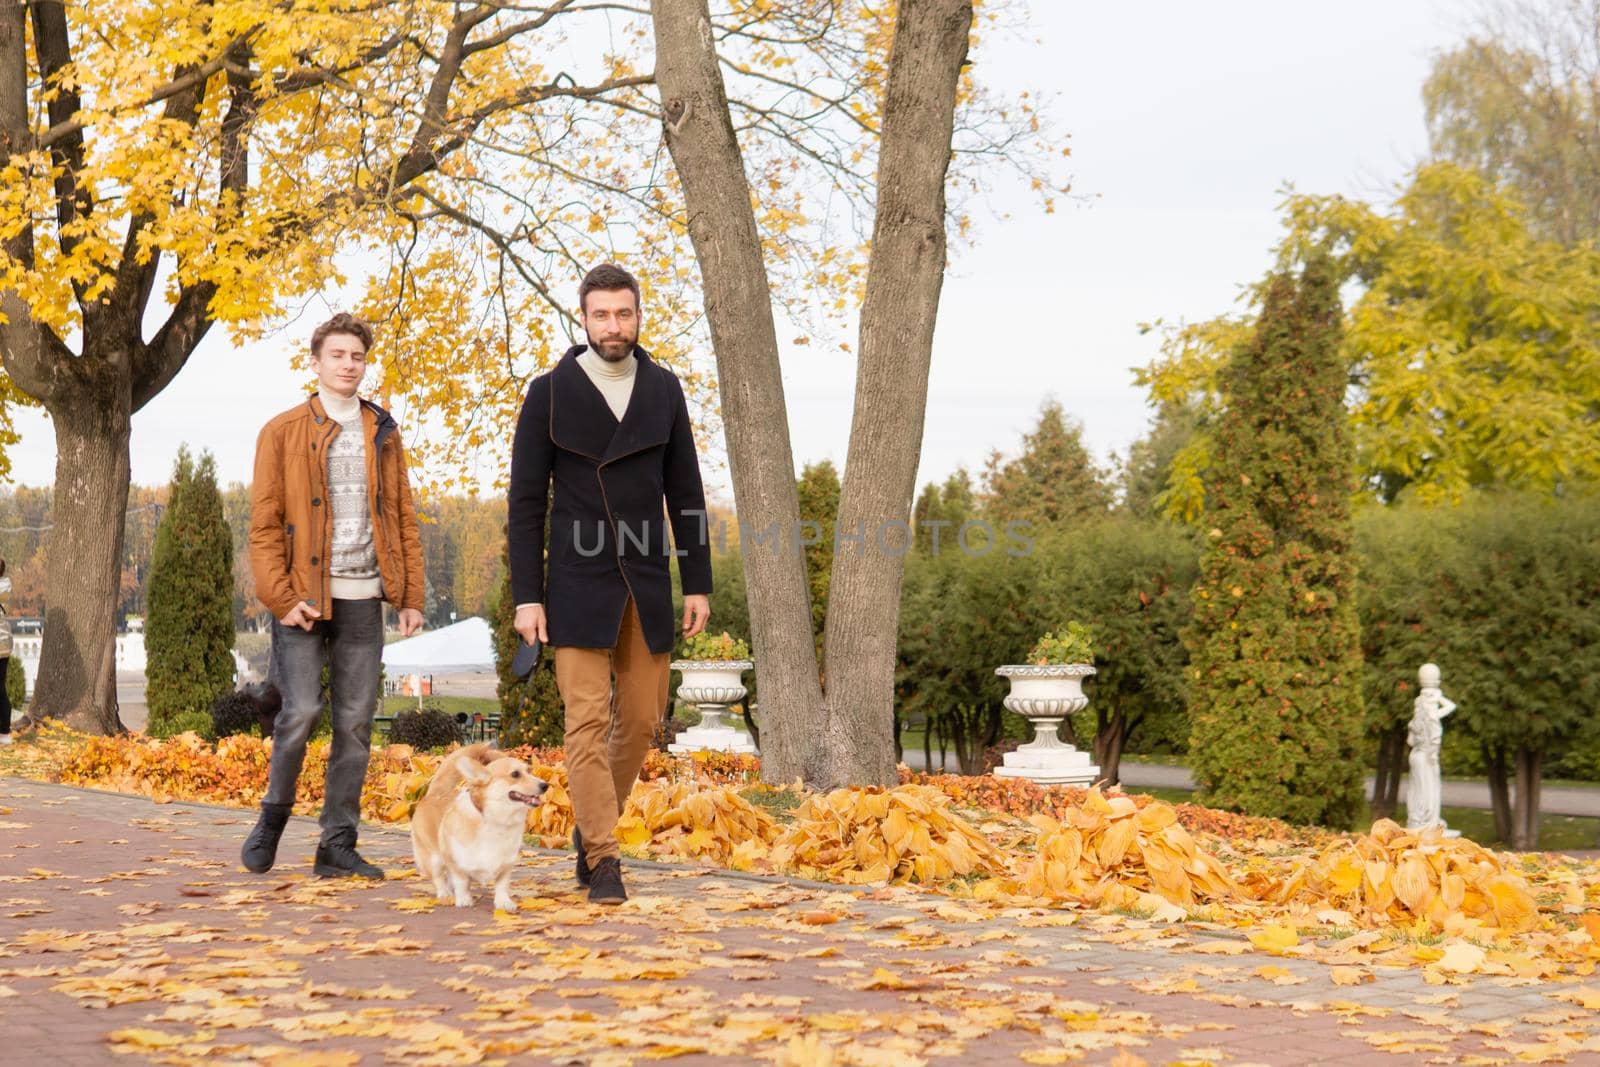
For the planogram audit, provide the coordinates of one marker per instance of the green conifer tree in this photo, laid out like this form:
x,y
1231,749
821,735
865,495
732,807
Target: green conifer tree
x,y
531,713
189,633
1275,661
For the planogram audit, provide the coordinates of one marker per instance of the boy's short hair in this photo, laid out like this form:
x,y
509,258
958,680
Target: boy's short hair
x,y
343,322
607,276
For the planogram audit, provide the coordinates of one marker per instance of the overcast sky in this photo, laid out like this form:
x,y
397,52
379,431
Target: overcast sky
x,y
1186,121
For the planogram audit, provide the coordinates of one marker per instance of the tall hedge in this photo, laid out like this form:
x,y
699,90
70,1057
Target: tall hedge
x,y
964,614
1276,704
189,632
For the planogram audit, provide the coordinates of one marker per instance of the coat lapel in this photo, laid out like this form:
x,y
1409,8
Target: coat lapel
x,y
647,422
581,421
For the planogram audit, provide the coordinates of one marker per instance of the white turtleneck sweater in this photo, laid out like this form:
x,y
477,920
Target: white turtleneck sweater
x,y
354,563
615,382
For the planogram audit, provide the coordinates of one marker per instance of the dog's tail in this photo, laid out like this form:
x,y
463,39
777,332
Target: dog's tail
x,y
448,778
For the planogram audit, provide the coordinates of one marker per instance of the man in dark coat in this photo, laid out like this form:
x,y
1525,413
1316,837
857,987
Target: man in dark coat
x,y
608,429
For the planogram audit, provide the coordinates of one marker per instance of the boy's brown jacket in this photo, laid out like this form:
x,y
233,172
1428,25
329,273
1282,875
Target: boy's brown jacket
x,y
291,525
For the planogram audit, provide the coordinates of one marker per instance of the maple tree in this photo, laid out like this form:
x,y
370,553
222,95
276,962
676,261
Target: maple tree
x,y
1468,348
220,163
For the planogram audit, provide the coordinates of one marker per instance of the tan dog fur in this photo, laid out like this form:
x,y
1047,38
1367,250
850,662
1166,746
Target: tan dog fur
x,y
474,834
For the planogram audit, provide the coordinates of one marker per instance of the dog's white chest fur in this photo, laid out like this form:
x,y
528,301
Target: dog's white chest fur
x,y
494,846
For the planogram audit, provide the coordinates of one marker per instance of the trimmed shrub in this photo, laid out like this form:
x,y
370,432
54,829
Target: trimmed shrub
x,y
424,729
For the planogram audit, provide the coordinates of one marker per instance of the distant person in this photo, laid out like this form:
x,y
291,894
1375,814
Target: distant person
x,y
608,429
5,658
333,534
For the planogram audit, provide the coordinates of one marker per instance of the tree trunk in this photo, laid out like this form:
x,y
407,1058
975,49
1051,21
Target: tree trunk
x,y
755,419
904,277
847,735
78,662
1494,765
1525,823
1390,765
1110,737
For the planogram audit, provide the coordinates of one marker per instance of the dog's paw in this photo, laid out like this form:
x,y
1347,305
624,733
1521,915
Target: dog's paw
x,y
505,904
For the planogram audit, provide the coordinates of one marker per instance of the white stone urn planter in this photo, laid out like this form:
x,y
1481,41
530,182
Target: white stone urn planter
x,y
711,686
1045,694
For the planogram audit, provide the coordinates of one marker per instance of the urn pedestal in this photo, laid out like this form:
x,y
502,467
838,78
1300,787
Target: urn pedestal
x,y
711,686
1045,695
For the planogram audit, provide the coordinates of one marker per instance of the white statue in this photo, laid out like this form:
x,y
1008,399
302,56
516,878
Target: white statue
x,y
1424,736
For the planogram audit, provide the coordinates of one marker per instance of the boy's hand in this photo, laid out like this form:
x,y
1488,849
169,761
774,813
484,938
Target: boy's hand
x,y
302,615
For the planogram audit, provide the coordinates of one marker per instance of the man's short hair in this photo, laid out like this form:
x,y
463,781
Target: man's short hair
x,y
344,322
607,276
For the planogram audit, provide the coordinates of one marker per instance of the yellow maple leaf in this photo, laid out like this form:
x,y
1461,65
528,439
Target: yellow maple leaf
x,y
1275,939
1461,957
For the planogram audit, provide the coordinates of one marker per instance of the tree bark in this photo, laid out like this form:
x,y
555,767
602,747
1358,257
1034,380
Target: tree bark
x,y
78,663
846,734
1390,766
722,227
905,275
1109,745
1494,765
1530,768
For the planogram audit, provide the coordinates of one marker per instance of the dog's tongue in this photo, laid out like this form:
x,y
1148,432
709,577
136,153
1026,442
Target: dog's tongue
x,y
524,798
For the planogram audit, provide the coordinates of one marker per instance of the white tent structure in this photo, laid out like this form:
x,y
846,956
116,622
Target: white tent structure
x,y
467,645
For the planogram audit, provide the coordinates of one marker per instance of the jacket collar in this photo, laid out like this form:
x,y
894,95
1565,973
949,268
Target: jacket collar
x,y
381,422
581,421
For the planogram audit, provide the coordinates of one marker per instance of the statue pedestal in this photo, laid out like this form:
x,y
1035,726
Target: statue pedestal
x,y
713,735
1048,764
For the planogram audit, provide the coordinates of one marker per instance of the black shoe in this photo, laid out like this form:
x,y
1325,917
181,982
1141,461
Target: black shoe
x,y
583,862
339,859
261,847
605,882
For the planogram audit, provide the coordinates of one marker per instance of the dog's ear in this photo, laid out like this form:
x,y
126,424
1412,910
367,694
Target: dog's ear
x,y
470,769
476,793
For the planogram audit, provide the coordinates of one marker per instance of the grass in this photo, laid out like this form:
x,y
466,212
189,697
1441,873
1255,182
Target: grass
x,y
1557,833
450,705
780,804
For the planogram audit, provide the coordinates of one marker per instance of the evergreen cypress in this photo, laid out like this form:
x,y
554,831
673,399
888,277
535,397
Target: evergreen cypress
x,y
531,713
189,633
1275,661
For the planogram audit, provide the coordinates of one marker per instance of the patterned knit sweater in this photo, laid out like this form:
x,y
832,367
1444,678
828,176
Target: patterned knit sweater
x,y
355,560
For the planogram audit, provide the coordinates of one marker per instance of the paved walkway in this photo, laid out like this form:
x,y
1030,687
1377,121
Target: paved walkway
x,y
1553,800
128,928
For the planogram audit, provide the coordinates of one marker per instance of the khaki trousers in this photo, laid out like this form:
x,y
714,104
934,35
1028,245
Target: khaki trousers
x,y
609,728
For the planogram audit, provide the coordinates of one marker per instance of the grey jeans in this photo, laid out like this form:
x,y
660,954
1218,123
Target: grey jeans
x,y
351,644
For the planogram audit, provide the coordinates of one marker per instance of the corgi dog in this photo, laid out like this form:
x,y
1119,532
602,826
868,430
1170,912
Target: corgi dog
x,y
474,834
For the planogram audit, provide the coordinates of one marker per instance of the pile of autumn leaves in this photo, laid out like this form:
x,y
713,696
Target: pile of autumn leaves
x,y
1096,850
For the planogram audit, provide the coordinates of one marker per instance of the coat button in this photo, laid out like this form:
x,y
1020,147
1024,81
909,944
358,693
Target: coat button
x,y
316,501
313,561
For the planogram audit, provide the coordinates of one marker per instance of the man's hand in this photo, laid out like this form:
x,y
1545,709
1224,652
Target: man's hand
x,y
410,621
696,613
530,624
302,615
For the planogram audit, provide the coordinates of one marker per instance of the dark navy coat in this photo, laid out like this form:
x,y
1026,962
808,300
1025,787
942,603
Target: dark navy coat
x,y
599,486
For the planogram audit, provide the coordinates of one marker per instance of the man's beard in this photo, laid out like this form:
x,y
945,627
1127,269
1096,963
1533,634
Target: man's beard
x,y
612,351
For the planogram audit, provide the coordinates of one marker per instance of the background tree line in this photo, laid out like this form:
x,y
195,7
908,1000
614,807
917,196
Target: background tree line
x,y
462,541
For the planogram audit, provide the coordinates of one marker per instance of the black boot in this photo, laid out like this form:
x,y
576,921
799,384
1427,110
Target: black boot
x,y
583,862
261,847
605,882
339,859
